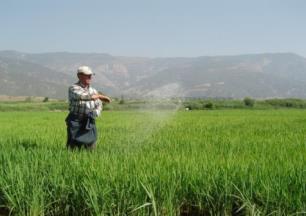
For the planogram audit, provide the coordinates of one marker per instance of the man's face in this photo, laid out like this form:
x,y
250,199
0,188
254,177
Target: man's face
x,y
85,79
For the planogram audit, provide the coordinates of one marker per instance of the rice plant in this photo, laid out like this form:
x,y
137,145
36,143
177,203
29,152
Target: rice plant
x,y
230,162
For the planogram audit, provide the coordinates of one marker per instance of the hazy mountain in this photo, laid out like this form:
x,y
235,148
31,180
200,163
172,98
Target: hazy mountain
x,y
19,77
257,75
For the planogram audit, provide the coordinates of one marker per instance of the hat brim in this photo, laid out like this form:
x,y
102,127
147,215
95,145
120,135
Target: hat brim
x,y
86,73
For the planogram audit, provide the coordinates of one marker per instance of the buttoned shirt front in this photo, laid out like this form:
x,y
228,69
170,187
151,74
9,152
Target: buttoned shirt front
x,y
80,102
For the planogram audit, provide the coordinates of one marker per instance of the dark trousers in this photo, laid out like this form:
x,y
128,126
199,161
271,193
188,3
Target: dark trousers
x,y
74,146
81,132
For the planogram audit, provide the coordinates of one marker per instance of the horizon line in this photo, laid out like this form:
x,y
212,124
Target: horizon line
x,y
151,57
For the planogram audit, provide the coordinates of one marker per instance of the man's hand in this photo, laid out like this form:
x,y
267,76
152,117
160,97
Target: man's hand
x,y
101,97
95,97
105,99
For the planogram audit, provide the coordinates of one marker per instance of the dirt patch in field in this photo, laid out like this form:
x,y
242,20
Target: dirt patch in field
x,y
192,210
4,211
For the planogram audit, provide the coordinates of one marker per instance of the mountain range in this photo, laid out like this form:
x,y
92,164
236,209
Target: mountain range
x,y
265,75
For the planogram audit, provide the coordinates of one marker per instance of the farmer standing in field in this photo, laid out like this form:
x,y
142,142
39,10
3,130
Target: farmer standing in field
x,y
85,104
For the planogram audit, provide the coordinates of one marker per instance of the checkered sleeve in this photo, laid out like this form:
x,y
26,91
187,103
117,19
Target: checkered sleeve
x,y
77,93
98,106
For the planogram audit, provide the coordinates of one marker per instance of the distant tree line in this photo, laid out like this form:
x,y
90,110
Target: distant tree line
x,y
247,102
122,103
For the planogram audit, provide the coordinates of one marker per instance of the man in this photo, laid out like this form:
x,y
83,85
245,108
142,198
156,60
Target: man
x,y
84,106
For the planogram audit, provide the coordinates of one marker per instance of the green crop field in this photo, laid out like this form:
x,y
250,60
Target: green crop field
x,y
222,162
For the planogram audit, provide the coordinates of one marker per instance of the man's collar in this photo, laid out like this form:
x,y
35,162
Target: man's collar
x,y
83,86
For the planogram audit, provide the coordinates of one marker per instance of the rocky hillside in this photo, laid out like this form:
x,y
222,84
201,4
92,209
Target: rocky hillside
x,y
257,75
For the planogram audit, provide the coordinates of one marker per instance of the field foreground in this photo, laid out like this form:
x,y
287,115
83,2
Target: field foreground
x,y
233,162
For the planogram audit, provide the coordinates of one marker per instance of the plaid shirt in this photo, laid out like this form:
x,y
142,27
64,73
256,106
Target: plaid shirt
x,y
80,102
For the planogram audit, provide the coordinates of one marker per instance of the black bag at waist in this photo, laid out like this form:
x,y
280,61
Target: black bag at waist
x,y
81,130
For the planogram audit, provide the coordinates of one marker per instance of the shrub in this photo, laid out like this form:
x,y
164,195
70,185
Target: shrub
x,y
209,105
46,99
248,102
122,100
287,102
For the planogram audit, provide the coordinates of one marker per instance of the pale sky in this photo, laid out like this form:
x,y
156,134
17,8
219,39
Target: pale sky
x,y
154,28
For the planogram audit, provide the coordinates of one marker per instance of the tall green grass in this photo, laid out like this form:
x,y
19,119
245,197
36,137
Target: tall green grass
x,y
156,163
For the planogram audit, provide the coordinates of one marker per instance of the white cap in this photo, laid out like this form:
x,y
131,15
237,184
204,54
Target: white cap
x,y
85,70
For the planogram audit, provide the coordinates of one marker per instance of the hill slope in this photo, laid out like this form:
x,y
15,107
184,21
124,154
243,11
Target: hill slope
x,y
257,75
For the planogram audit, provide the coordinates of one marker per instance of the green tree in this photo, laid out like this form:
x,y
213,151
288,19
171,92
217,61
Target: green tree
x,y
208,105
249,102
122,101
46,99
